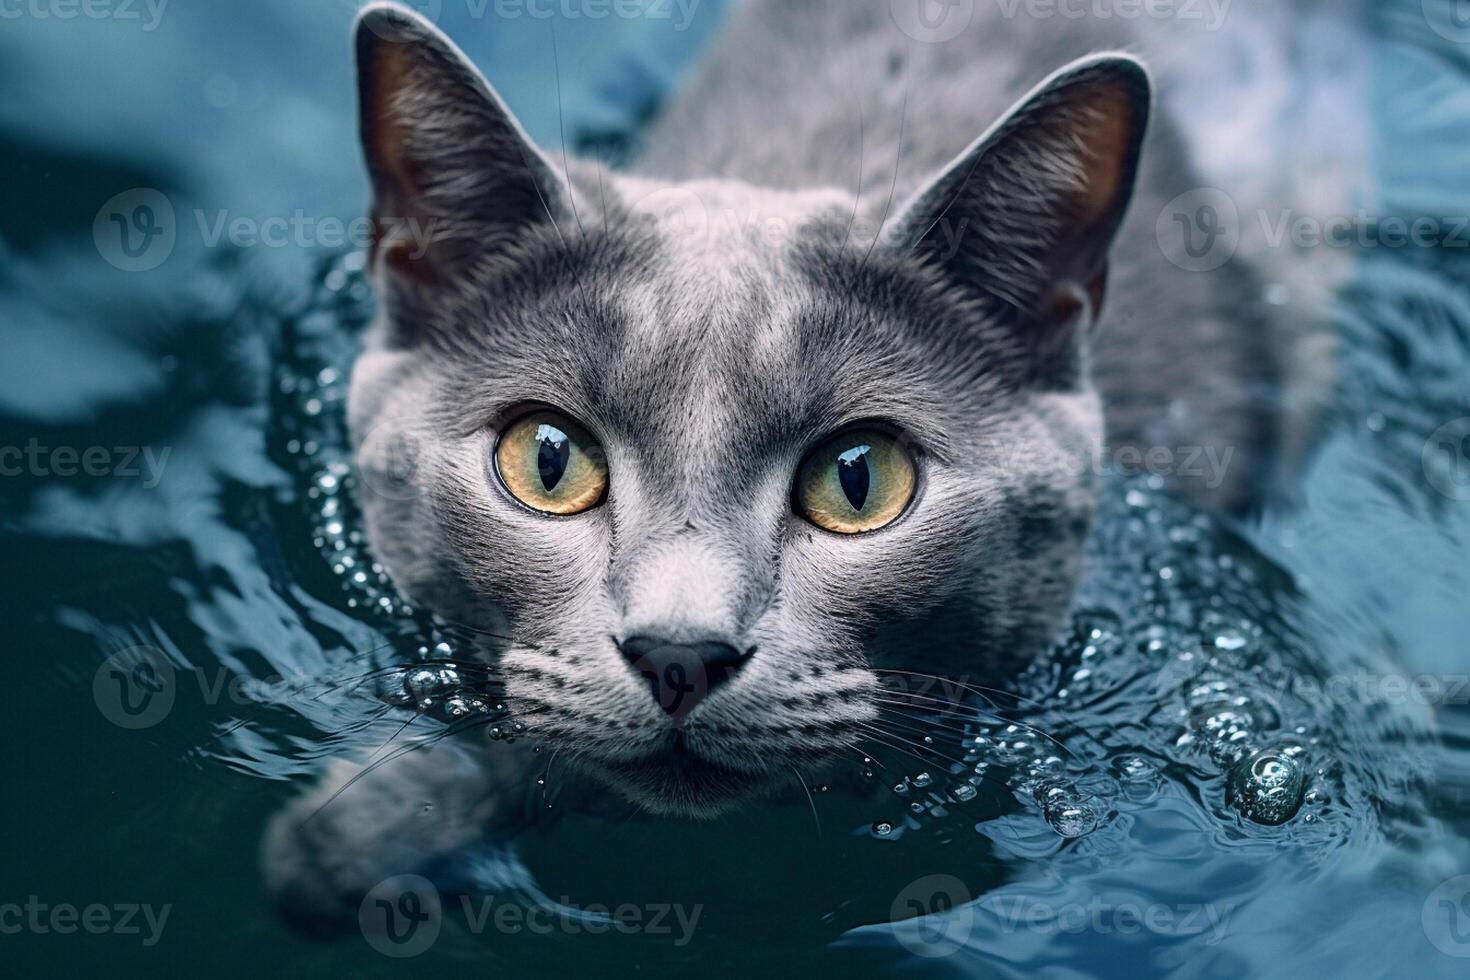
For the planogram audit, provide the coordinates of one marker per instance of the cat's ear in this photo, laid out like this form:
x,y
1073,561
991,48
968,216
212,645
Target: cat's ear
x,y
1027,213
453,174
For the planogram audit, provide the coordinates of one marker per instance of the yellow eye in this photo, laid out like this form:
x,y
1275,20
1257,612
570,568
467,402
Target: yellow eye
x,y
550,464
857,481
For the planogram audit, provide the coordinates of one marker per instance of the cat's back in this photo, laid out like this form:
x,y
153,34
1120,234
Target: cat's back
x,y
798,93
877,96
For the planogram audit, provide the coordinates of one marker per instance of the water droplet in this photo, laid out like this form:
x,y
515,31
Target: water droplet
x,y
923,779
1230,640
1266,787
1071,820
963,792
882,828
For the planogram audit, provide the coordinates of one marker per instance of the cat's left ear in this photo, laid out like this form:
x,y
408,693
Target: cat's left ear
x,y
454,175
1026,215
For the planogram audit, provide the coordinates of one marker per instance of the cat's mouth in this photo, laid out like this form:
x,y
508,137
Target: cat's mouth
x,y
675,779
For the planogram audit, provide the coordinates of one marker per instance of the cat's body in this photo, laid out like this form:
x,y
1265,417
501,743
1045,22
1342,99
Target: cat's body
x,y
711,316
1183,359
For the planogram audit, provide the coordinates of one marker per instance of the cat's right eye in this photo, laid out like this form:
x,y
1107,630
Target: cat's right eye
x,y
857,481
551,464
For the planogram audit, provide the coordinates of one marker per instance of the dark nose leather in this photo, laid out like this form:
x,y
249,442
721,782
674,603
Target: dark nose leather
x,y
680,675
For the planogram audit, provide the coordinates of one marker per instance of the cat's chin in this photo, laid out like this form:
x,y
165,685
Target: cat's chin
x,y
678,783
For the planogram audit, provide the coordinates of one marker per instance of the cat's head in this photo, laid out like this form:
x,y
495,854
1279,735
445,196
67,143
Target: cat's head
x,y
713,477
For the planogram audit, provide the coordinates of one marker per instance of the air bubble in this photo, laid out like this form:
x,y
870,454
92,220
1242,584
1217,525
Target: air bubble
x,y
1267,787
1071,820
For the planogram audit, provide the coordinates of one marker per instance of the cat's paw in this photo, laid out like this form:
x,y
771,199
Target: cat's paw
x,y
362,824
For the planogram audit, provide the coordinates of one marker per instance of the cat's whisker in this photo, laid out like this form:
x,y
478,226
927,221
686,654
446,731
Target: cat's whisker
x,y
857,197
811,801
1032,729
561,126
893,187
918,745
935,724
399,752
977,689
546,774
984,777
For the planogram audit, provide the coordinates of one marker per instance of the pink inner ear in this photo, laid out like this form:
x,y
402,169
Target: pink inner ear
x,y
1105,136
395,173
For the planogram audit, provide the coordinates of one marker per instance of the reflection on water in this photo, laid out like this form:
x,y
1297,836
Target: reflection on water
x,y
1250,755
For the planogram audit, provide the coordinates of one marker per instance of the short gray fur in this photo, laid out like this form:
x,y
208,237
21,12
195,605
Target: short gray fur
x,y
710,314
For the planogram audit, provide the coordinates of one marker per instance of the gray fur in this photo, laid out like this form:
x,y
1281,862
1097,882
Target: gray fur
x,y
728,302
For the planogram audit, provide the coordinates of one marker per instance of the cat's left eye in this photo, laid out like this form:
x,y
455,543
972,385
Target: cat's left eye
x,y
856,481
551,464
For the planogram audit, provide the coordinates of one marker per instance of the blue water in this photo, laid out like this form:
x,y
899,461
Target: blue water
x,y
1320,648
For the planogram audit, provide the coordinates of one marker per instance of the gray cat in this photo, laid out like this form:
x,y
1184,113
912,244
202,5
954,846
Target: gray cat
x,y
819,386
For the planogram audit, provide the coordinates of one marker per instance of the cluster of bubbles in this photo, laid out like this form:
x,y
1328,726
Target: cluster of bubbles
x,y
310,398
1173,669
1027,763
1216,674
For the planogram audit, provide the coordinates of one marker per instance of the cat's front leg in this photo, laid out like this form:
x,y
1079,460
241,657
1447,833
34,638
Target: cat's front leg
x,y
363,823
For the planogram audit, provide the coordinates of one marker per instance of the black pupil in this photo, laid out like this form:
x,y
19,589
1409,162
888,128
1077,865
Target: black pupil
x,y
552,455
852,473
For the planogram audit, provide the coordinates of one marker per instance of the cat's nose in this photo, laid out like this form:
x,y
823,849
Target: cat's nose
x,y
680,675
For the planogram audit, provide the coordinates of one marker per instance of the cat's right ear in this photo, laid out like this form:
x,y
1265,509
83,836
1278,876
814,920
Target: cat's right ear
x,y
453,174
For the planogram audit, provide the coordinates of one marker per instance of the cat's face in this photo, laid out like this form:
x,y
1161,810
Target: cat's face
x,y
708,478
